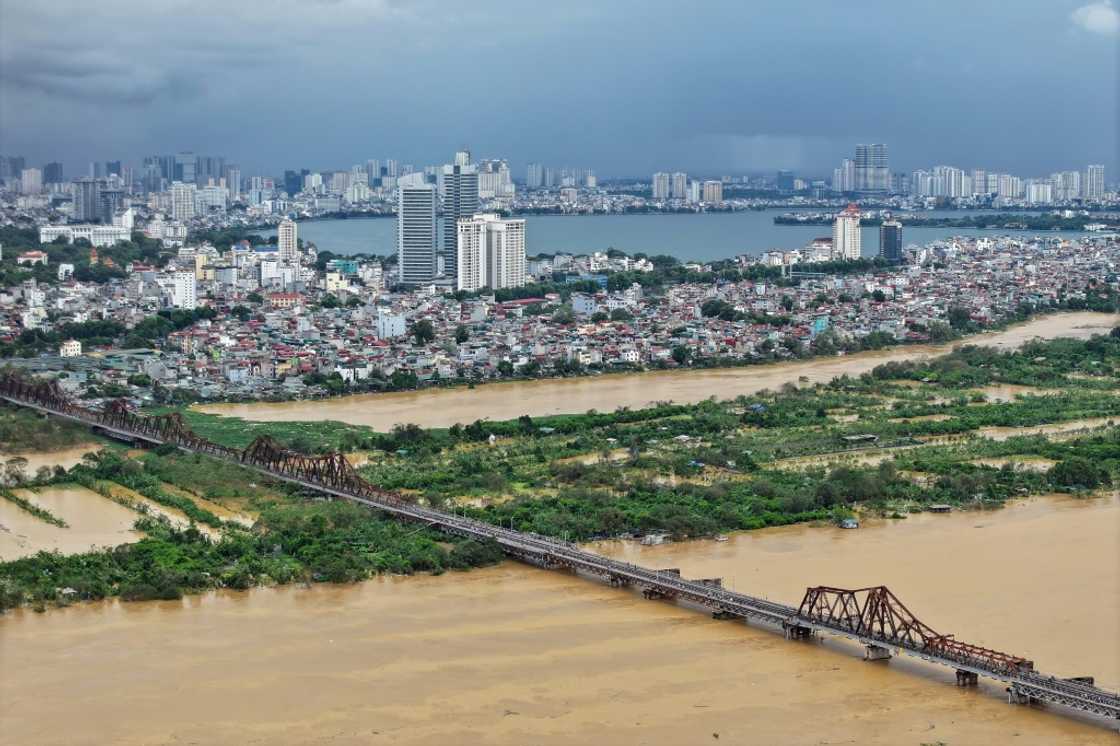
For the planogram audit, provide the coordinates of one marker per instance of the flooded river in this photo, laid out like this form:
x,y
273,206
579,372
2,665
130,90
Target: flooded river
x,y
516,655
505,401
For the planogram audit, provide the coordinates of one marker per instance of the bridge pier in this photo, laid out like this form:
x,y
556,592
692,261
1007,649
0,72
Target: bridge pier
x,y
967,678
724,615
796,631
655,594
876,653
617,581
1016,696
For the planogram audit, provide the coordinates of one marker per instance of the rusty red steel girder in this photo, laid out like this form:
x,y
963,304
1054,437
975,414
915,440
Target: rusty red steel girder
x,y
331,470
876,614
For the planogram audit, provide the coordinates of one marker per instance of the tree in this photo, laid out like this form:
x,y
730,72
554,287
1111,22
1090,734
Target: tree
x,y
599,317
461,334
787,303
878,296
564,315
682,354
254,298
1076,471
423,332
959,317
505,367
621,314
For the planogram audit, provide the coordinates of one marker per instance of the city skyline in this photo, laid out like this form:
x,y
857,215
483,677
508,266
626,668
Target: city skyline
x,y
677,107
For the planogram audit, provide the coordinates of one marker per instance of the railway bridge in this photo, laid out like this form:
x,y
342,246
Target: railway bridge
x,y
873,617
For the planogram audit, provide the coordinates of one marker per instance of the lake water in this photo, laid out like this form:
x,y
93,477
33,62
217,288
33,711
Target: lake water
x,y
518,655
688,237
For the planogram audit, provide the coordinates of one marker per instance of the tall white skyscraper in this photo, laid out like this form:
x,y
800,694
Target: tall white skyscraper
x,y
535,176
460,200
31,181
846,235
661,185
678,186
1093,187
491,252
182,200
416,233
287,242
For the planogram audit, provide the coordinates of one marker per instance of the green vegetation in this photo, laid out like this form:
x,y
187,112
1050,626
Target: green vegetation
x,y
111,260
111,466
320,542
896,440
25,430
41,513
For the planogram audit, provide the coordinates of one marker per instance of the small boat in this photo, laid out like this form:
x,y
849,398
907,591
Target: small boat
x,y
721,537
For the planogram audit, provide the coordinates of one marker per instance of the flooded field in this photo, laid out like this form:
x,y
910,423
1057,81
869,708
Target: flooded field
x,y
516,655
504,401
94,521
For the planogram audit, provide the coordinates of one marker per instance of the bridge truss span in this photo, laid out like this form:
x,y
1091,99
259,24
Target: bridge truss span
x,y
873,616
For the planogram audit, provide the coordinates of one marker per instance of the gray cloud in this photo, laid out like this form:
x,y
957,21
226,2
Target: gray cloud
x,y
627,87
1098,18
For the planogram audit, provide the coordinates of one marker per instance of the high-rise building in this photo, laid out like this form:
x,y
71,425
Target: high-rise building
x,y
416,233
890,240
185,168
785,181
31,181
182,200
113,168
287,242
846,235
1093,186
110,201
87,199
460,200
52,173
534,179
183,291
233,181
713,192
678,185
660,186
872,173
844,178
491,252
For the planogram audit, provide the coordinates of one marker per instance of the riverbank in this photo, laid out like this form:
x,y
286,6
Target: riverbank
x,y
511,399
531,656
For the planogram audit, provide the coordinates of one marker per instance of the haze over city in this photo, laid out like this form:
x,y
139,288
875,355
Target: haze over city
x,y
627,86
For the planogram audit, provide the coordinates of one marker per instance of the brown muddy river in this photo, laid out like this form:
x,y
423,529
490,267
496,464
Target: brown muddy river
x,y
516,655
505,401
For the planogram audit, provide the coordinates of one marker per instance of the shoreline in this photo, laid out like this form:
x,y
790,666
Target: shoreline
x,y
625,388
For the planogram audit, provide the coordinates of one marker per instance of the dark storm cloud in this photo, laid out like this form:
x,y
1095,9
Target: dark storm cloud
x,y
624,86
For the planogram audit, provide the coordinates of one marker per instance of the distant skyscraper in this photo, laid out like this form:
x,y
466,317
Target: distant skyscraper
x,y
87,199
872,173
112,168
31,181
182,200
785,181
660,186
535,177
678,185
890,240
233,181
460,183
52,173
1093,186
416,234
287,242
491,253
185,164
845,234
844,178
713,192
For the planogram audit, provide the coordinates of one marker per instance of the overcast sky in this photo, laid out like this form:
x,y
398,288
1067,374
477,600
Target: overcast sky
x,y
623,86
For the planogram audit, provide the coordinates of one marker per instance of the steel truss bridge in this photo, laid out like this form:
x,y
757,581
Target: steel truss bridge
x,y
874,617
